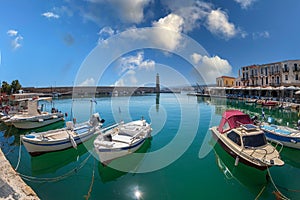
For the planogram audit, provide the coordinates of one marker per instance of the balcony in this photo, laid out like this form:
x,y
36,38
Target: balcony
x,y
296,70
285,70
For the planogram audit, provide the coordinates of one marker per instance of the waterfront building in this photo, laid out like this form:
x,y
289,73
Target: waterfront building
x,y
225,81
290,73
284,73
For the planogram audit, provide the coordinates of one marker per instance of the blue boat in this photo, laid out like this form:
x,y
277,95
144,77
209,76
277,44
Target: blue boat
x,y
289,137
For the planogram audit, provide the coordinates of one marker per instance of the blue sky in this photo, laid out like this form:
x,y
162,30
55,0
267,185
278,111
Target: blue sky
x,y
46,43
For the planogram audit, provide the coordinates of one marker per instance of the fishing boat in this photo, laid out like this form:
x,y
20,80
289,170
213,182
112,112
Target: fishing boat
x,y
245,142
60,139
35,117
250,101
121,140
289,137
269,103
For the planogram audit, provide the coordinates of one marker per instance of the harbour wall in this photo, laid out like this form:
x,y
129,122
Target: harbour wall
x,y
11,184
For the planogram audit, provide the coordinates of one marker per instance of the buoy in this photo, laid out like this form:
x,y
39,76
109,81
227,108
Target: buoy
x,y
66,114
236,161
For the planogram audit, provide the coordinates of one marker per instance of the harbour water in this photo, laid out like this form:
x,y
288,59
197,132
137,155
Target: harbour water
x,y
172,166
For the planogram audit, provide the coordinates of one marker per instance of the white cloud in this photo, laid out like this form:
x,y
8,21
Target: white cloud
x,y
133,66
131,63
211,67
105,33
245,3
88,82
16,43
170,39
50,15
193,12
263,34
129,11
119,82
197,13
171,22
17,38
217,23
196,58
12,32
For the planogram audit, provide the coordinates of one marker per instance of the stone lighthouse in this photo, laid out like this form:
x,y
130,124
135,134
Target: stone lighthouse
x,y
157,88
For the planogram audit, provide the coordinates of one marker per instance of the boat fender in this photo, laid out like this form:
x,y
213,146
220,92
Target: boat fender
x,y
74,120
293,141
272,162
66,114
236,161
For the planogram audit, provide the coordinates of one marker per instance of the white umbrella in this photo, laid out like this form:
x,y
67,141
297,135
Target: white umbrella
x,y
281,88
298,92
291,88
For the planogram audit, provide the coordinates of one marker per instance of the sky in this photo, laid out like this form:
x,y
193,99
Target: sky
x,y
127,42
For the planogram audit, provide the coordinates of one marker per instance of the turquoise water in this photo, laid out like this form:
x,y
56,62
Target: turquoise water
x,y
172,165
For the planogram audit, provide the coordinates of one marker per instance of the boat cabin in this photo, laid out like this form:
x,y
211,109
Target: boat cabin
x,y
239,128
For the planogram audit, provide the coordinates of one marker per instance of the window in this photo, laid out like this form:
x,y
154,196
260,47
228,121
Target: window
x,y
266,71
285,67
254,140
286,77
226,126
267,81
262,81
295,66
234,137
278,80
296,77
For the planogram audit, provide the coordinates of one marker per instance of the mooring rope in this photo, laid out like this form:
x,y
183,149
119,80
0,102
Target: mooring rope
x,y
55,179
19,156
277,190
260,193
92,182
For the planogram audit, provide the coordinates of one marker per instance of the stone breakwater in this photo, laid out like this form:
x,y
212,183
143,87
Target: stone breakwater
x,y
11,185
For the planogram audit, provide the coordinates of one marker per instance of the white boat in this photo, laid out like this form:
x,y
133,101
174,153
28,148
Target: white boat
x,y
245,142
34,118
121,140
60,139
289,137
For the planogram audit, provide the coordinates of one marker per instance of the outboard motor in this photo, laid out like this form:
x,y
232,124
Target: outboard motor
x,y
95,120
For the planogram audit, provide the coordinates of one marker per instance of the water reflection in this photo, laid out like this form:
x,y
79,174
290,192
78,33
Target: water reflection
x,y
291,156
50,163
129,163
281,116
254,180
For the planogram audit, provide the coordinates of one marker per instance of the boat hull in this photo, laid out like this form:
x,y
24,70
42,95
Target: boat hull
x,y
235,155
107,155
39,148
288,141
28,124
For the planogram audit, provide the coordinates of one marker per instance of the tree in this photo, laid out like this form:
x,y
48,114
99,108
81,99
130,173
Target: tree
x,y
15,86
6,88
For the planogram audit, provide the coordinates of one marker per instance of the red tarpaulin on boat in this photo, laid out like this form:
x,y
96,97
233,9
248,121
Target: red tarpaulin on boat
x,y
233,119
